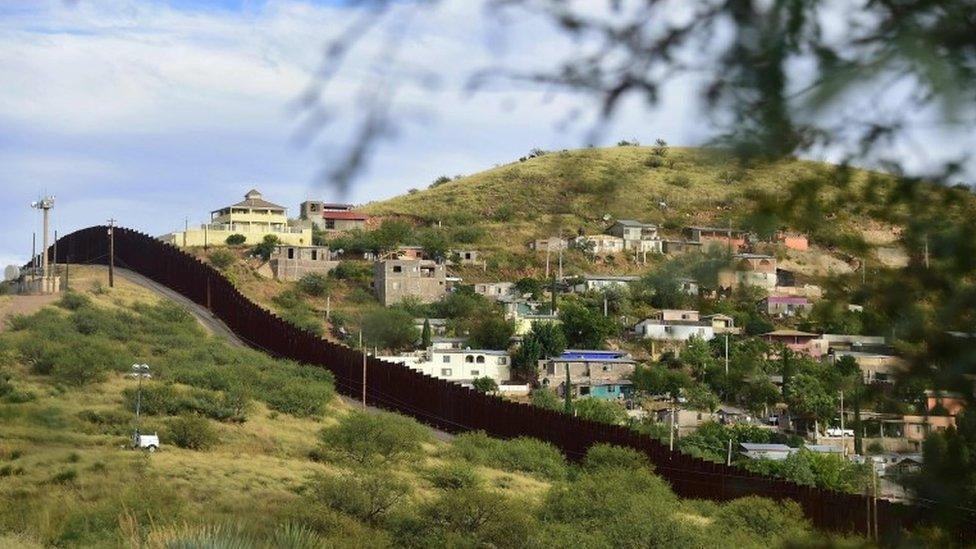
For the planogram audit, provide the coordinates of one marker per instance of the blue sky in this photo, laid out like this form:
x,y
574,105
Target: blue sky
x,y
153,112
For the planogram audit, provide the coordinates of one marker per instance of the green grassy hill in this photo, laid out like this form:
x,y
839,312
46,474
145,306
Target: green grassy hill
x,y
569,191
258,452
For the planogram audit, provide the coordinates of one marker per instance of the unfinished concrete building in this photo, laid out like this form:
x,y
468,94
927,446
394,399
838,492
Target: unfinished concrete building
x,y
396,279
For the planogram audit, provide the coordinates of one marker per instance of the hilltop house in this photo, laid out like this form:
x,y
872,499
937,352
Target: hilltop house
x,y
587,369
332,217
797,341
551,244
716,237
494,290
294,262
876,367
784,305
600,282
671,246
600,244
254,218
749,270
722,324
465,257
674,325
396,279
637,236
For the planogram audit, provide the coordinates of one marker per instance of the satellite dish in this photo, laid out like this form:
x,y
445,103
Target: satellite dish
x,y
12,272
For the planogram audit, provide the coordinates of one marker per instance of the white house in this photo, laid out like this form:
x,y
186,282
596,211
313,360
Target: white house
x,y
599,282
600,244
458,365
659,329
494,290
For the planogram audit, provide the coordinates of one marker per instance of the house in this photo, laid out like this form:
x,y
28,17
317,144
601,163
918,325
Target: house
x,y
637,236
331,216
494,290
875,367
688,286
444,343
944,402
461,366
784,305
551,244
686,421
722,324
671,247
599,282
774,452
611,390
848,342
749,270
586,368
659,329
716,237
409,252
465,257
675,314
600,244
396,279
793,241
797,341
294,262
525,322
438,326
254,218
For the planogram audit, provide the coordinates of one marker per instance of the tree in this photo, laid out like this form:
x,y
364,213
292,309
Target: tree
x,y
222,258
390,328
266,247
426,339
367,494
603,411
659,380
525,360
436,243
192,432
485,385
370,438
948,474
550,337
583,328
809,398
492,332
697,355
529,286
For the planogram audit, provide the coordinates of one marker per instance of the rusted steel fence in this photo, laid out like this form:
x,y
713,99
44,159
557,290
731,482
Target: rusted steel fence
x,y
453,408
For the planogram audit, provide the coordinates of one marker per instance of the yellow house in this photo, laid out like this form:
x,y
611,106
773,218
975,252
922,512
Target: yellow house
x,y
254,218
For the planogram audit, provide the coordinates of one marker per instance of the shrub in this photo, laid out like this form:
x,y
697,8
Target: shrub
x,y
300,397
191,432
503,213
390,328
615,457
73,301
81,366
236,239
314,284
351,270
679,180
653,162
222,258
485,385
368,438
64,476
523,454
440,181
773,522
471,517
453,476
367,494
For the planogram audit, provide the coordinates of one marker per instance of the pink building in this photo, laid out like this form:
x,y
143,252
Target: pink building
x,y
797,341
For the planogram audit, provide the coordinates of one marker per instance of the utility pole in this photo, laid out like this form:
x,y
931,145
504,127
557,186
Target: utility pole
x,y
55,254
34,254
548,253
44,204
111,253
568,392
140,371
186,228
363,351
728,459
605,308
842,414
671,430
328,307
726,354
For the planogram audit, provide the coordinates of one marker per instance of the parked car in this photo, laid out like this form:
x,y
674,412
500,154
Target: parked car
x,y
838,432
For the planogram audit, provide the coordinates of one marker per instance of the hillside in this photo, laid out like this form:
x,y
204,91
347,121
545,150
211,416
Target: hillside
x,y
257,452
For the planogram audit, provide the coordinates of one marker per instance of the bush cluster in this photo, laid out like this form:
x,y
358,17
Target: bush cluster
x,y
522,454
191,432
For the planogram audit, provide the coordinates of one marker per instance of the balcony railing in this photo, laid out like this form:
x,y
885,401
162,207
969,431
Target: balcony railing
x,y
241,228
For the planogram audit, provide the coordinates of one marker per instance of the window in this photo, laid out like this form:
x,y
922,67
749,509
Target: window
x,y
503,360
446,372
480,359
469,359
315,255
583,391
397,269
475,372
446,359
330,223
291,253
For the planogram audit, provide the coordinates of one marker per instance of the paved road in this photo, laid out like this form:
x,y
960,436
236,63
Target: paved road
x,y
215,326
